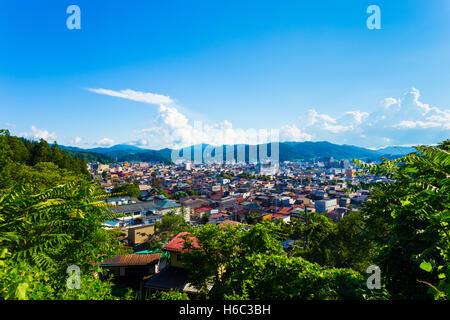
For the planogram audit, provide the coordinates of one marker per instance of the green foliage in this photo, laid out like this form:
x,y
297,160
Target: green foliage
x,y
170,295
204,219
59,226
89,156
22,281
191,192
91,288
129,189
318,239
169,226
252,265
18,154
42,176
410,220
340,245
46,229
278,277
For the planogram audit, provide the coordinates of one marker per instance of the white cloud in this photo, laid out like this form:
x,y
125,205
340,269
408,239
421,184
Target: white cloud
x,y
314,117
173,129
146,97
105,142
77,140
405,124
293,133
357,115
37,134
405,120
172,117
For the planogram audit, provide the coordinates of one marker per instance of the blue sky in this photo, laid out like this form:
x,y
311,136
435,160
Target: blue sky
x,y
310,69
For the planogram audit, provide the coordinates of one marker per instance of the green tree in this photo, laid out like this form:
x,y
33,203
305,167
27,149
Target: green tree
x,y
53,229
129,189
354,248
317,237
170,295
410,220
168,227
251,264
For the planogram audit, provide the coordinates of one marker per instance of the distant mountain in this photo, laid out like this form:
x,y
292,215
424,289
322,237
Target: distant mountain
x,y
122,152
288,151
292,151
87,155
396,150
117,148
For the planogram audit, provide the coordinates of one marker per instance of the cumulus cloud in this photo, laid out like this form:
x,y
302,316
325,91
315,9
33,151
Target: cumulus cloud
x,y
400,121
166,133
77,140
173,129
293,133
37,134
105,142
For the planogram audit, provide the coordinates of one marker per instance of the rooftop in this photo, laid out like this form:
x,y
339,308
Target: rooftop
x,y
177,243
131,260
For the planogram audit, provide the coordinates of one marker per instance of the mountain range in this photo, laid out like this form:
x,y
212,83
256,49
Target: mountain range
x,y
288,151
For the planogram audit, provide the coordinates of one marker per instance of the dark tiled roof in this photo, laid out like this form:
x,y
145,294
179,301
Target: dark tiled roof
x,y
169,278
145,206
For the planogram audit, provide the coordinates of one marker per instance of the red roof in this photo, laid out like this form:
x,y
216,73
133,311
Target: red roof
x,y
285,210
202,209
218,215
177,243
240,199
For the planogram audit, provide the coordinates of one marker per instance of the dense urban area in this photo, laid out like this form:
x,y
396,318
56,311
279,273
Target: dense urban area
x,y
150,230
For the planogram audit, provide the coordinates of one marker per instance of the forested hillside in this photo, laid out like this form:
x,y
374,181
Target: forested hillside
x,y
51,216
30,153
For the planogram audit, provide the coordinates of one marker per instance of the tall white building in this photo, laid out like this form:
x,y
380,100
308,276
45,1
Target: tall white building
x,y
323,206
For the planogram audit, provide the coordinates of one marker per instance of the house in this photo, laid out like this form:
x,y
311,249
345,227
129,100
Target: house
x,y
284,218
142,209
357,201
171,272
218,217
131,264
199,212
139,234
130,270
323,206
337,214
